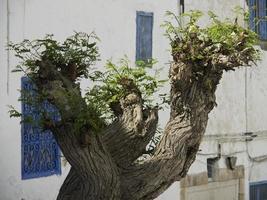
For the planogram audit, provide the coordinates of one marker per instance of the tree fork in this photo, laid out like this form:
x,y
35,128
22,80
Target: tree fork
x,y
105,166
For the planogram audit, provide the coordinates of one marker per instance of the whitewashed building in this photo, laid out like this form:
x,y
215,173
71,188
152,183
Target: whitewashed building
x,y
237,129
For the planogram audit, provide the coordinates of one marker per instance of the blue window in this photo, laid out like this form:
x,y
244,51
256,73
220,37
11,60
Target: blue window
x,y
144,30
39,152
258,191
258,20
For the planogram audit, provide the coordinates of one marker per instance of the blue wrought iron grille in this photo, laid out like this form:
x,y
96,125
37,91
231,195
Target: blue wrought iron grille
x,y
258,191
257,20
144,30
40,152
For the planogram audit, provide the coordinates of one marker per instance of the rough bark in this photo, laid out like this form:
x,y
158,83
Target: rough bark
x,y
93,165
190,106
104,158
105,166
124,141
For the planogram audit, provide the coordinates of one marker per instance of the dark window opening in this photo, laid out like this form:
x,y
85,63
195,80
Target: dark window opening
x,y
144,32
211,166
258,191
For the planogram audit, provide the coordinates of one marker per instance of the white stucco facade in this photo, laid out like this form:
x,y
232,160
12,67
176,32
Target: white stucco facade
x,y
241,99
241,96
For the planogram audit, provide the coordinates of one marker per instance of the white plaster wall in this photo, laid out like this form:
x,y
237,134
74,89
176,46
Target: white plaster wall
x,y
257,96
242,107
112,20
215,190
241,95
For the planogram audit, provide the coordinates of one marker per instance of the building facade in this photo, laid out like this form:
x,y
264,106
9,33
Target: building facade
x,y
233,155
232,159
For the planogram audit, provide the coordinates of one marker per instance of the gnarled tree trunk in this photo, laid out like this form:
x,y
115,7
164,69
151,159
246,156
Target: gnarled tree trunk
x,y
105,166
104,161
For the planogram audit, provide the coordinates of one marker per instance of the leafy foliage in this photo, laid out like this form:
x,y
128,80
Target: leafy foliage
x,y
117,81
44,60
13,112
64,64
191,43
201,54
79,50
223,45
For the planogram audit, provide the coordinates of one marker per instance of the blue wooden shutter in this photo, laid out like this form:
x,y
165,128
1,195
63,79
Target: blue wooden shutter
x,y
252,14
258,191
263,22
144,30
40,152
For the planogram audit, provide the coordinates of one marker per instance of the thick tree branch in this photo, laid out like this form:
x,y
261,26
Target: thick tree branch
x,y
93,165
104,159
70,187
191,102
93,168
173,157
129,135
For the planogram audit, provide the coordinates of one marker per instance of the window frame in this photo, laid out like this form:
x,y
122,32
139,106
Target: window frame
x,y
253,184
138,54
258,10
31,145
